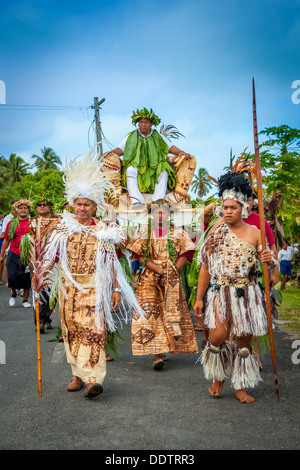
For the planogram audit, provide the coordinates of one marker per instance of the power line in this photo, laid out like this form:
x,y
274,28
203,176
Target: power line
x,y
26,107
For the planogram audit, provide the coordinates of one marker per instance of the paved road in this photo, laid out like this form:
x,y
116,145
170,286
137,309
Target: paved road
x,y
140,409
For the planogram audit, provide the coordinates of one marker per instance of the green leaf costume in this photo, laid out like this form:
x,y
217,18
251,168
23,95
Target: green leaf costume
x,y
148,155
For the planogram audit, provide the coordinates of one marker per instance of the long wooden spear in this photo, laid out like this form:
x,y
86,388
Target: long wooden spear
x,y
263,240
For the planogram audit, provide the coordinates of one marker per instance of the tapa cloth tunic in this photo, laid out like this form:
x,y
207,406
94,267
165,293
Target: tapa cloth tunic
x,y
84,344
164,307
89,272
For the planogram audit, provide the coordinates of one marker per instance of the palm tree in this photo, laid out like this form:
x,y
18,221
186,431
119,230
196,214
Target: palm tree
x,y
202,183
14,168
48,160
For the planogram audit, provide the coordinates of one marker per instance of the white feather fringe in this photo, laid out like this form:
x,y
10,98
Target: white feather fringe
x,y
108,268
217,365
245,372
243,321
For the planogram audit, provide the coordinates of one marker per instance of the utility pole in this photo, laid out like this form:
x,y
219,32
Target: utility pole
x,y
96,107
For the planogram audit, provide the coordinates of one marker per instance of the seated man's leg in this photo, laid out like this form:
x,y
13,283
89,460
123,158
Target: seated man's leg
x,y
133,187
112,169
185,169
161,186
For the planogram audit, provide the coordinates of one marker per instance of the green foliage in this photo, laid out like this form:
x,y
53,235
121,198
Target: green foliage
x,y
6,196
111,346
144,114
48,182
281,160
289,310
280,163
58,337
12,228
25,249
16,180
282,137
13,169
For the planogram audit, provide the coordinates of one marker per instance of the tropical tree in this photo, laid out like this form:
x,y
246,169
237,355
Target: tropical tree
x,y
48,182
13,169
202,182
280,161
284,139
47,161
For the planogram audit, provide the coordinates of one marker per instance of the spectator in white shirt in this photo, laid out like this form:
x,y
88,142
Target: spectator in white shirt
x,y
286,255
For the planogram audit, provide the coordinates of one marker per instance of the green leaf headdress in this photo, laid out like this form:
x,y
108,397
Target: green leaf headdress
x,y
42,198
145,114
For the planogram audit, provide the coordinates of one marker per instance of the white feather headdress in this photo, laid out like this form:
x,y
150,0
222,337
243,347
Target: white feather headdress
x,y
85,179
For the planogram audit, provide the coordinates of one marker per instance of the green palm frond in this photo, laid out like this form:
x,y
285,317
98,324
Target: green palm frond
x,y
47,160
111,345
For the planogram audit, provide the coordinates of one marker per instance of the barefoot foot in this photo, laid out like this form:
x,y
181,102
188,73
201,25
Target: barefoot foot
x,y
216,388
243,396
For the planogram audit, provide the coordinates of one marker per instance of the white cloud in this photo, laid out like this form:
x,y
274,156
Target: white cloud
x,y
69,137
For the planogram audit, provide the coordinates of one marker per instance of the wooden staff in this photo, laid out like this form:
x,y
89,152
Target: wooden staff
x,y
263,240
37,289
38,334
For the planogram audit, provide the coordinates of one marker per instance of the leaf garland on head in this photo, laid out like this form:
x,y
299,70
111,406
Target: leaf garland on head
x,y
47,199
145,114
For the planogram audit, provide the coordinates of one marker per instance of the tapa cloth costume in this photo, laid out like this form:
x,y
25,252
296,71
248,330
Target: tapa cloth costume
x,y
234,294
167,326
89,270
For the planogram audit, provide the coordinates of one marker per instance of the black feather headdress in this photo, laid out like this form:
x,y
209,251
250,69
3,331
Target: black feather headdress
x,y
235,181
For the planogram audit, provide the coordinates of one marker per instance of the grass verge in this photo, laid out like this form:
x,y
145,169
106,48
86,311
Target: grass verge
x,y
289,310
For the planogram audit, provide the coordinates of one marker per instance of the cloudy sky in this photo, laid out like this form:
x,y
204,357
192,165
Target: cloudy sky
x,y
192,61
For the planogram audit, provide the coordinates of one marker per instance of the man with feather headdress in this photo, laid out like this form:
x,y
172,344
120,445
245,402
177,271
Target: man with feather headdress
x,y
92,284
145,168
17,270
